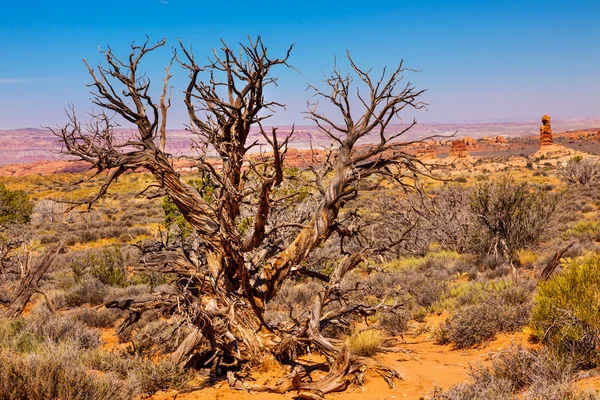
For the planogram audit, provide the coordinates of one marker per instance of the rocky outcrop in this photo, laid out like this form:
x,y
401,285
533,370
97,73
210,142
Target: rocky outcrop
x,y
469,141
545,132
500,140
426,154
459,149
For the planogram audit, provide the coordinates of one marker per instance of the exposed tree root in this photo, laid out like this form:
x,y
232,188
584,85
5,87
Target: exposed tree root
x,y
346,370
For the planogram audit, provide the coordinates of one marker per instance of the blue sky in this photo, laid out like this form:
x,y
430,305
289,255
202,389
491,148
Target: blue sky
x,y
481,61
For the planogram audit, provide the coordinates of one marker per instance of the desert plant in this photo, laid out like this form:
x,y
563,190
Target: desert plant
x,y
565,315
580,170
15,206
365,343
55,373
509,216
483,310
63,328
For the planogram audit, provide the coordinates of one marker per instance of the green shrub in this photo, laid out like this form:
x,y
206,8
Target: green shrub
x,y
566,316
15,206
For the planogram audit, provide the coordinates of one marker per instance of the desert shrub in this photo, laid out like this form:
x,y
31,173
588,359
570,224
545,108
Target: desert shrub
x,y
55,374
580,170
585,228
481,311
50,211
104,318
565,315
15,206
424,279
526,258
365,343
90,291
143,375
508,216
445,219
395,322
14,335
518,373
138,231
63,328
106,264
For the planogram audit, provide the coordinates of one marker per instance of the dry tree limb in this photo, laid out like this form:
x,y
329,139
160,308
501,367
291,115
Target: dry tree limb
x,y
553,264
29,284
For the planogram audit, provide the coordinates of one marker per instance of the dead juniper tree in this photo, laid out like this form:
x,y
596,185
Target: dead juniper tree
x,y
226,284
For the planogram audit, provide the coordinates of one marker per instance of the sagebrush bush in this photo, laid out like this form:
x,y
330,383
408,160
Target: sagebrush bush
x,y
63,328
144,376
91,292
580,170
565,315
480,311
508,216
55,373
103,318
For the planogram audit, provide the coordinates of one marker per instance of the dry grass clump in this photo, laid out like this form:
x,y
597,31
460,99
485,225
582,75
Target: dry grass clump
x,y
365,343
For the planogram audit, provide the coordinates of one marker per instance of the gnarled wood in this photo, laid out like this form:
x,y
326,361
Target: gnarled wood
x,y
29,285
223,293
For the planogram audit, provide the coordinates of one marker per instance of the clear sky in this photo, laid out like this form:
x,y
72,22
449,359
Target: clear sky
x,y
481,61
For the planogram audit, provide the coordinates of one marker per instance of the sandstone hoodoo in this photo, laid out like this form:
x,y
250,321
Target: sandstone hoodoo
x,y
545,132
459,149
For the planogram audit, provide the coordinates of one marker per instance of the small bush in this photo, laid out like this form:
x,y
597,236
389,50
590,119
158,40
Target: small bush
x,y
366,343
55,374
483,311
96,318
396,322
143,375
565,315
15,207
581,170
90,292
63,328
509,216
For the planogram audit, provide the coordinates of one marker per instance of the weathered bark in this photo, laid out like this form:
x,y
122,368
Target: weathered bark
x,y
223,300
29,285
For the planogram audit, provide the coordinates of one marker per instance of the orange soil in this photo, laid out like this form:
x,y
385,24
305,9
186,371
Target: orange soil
x,y
425,366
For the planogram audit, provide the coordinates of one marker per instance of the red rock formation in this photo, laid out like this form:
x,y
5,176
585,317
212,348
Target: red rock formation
x,y
501,139
459,149
545,132
426,153
469,141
